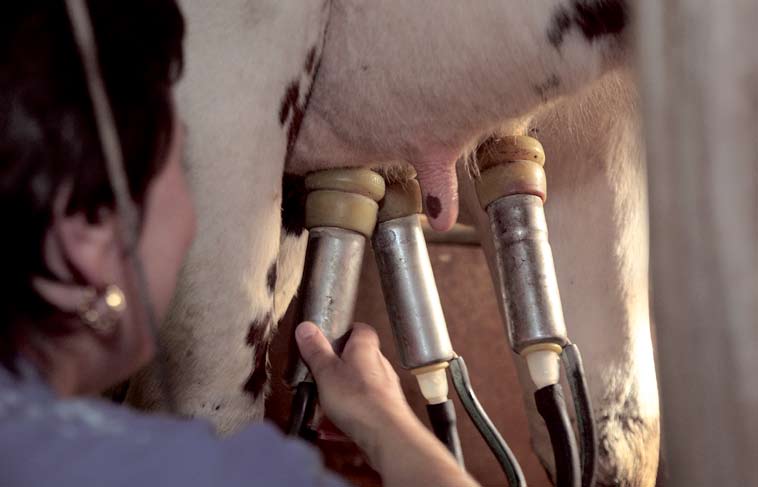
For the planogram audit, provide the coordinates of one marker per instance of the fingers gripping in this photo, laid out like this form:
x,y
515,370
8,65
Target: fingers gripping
x,y
315,349
318,352
362,337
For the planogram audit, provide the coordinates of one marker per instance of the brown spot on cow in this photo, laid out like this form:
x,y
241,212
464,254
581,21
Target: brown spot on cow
x,y
271,277
289,101
257,380
258,330
259,339
294,130
594,19
291,109
293,204
433,206
310,60
560,24
544,89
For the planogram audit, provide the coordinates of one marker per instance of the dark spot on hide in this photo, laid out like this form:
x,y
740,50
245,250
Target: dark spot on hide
x,y
289,101
257,331
601,18
310,60
271,278
293,204
544,89
298,113
259,339
433,206
259,377
594,19
560,24
293,111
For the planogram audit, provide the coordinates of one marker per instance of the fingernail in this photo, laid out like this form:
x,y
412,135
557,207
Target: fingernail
x,y
305,330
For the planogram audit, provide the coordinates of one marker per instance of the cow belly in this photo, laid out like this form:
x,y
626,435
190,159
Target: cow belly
x,y
422,81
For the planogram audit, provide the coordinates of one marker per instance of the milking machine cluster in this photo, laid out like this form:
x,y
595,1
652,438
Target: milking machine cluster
x,y
347,207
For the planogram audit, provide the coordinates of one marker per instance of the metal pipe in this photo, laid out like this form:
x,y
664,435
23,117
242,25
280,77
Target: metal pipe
x,y
512,189
330,286
530,294
340,215
413,303
418,323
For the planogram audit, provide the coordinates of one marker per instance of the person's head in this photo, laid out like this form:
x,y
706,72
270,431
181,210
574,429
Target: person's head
x,y
60,241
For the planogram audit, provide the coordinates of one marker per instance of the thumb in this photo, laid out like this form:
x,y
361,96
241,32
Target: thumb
x,y
314,348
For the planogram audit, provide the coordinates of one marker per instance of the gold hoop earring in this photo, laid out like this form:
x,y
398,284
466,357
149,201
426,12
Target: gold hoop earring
x,y
101,311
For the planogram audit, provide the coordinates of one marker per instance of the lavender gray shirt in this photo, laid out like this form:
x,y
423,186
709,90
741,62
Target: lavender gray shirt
x,y
45,440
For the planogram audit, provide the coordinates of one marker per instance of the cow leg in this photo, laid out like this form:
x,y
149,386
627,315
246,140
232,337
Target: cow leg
x,y
596,215
250,65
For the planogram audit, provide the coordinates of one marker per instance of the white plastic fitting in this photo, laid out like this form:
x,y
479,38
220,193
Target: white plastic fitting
x,y
544,366
433,384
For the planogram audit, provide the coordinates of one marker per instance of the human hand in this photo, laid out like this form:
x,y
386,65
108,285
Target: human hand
x,y
359,390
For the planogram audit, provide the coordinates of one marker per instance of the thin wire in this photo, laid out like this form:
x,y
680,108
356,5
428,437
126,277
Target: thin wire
x,y
128,223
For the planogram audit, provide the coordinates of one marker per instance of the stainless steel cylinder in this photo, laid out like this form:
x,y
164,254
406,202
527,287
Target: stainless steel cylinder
x,y
410,293
329,287
529,290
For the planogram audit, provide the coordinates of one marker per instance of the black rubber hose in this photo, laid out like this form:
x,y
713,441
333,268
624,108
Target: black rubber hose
x,y
444,425
303,407
479,417
552,408
572,363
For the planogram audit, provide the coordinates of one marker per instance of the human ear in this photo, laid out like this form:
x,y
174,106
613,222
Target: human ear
x,y
87,249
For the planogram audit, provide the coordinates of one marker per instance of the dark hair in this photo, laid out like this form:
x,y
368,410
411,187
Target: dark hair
x,y
47,129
